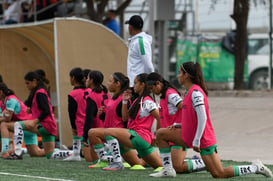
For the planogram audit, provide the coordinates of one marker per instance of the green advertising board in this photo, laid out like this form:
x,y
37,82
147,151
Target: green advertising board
x,y
217,64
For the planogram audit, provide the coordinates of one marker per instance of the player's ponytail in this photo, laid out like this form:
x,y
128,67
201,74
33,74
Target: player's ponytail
x,y
195,73
200,78
98,78
154,77
5,89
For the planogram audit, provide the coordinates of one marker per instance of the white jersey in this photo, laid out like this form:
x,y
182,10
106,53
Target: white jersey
x,y
146,108
173,100
139,56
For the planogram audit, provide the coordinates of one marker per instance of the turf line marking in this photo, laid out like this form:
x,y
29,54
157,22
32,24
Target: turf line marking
x,y
30,176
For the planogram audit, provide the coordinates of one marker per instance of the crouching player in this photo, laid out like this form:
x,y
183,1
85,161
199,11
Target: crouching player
x,y
42,122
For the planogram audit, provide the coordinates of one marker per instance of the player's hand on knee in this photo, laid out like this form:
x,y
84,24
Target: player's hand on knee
x,y
197,149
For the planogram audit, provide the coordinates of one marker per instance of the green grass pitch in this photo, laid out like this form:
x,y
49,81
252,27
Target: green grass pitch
x,y
30,169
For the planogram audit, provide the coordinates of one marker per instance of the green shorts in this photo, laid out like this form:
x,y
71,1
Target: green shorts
x,y
176,147
30,138
123,150
46,136
209,150
143,147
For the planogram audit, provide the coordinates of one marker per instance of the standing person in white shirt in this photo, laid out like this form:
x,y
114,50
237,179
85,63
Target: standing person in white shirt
x,y
13,12
139,50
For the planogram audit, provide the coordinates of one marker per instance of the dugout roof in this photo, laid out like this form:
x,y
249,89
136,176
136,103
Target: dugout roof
x,y
57,46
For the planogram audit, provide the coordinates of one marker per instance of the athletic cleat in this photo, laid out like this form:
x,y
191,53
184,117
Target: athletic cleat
x,y
137,167
6,155
13,156
100,164
126,165
2,154
262,169
158,169
73,158
115,166
165,172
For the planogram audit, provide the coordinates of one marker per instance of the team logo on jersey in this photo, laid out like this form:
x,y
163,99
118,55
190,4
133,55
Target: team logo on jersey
x,y
148,106
198,99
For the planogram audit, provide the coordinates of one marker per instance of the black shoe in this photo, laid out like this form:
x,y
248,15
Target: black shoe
x,y
13,156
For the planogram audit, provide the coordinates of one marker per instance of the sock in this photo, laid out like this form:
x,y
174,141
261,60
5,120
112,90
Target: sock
x,y
110,159
24,150
244,170
18,137
114,148
107,149
195,165
59,154
76,146
99,150
5,144
165,155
